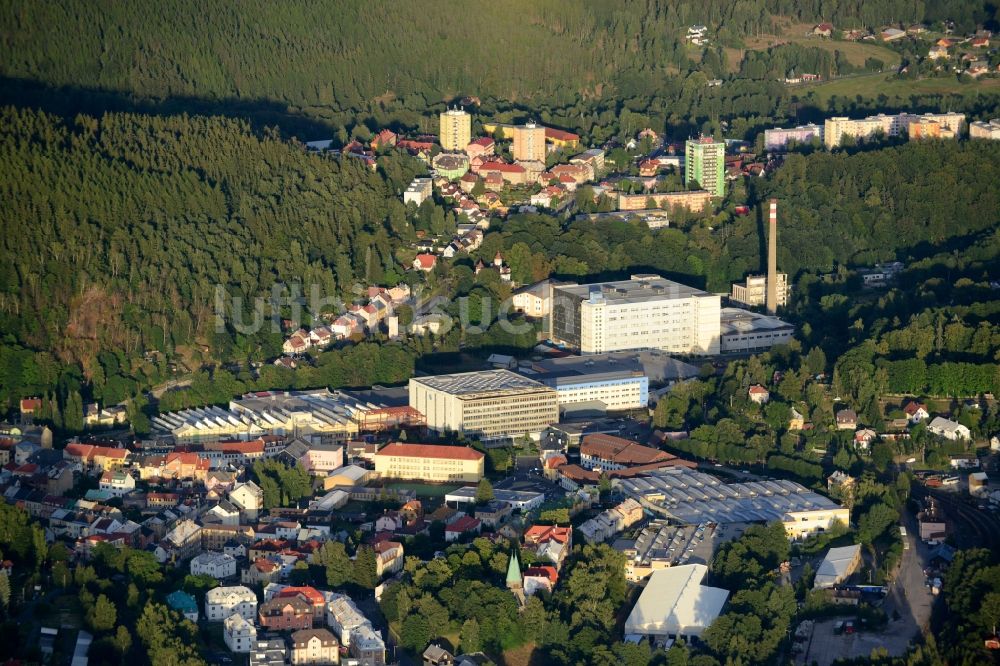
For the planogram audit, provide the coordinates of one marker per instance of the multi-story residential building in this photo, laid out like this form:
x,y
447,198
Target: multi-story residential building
x,y
367,646
534,300
388,557
117,482
529,143
308,594
594,158
221,602
355,631
94,459
285,613
549,543
837,128
695,201
183,603
419,191
314,646
456,129
608,523
215,536
985,130
645,312
429,462
705,164
491,405
249,498
239,633
216,565
778,139
753,291
180,543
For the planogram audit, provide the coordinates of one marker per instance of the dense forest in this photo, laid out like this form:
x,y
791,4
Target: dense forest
x,y
347,62
133,221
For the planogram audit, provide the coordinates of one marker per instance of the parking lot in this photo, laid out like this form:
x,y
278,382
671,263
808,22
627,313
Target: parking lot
x,y
825,647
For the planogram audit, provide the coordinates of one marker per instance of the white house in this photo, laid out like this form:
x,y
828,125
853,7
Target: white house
x,y
216,565
249,498
915,411
239,633
117,483
221,602
223,513
948,429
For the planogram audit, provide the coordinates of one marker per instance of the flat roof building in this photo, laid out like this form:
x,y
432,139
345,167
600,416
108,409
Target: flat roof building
x,y
689,497
456,129
645,312
657,365
778,139
418,191
520,500
492,405
705,164
837,128
429,462
529,143
675,604
743,331
985,130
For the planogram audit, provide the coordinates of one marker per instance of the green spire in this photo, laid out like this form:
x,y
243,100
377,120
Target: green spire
x,y
514,571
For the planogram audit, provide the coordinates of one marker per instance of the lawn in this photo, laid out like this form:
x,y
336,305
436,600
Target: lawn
x,y
799,33
872,85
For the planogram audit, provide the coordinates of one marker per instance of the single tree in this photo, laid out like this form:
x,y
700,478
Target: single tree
x,y
484,491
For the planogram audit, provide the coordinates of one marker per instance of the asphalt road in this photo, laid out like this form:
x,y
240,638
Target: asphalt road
x,y
907,595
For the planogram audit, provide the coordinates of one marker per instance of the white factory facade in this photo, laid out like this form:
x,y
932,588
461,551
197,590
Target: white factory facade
x,y
644,312
491,405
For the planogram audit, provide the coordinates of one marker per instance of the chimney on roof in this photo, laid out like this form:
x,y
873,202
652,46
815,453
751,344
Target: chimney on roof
x,y
772,258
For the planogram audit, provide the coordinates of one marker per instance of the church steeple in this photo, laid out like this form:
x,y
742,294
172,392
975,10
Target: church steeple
x,y
514,579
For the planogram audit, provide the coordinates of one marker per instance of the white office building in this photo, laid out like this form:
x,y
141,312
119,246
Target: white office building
x,y
644,312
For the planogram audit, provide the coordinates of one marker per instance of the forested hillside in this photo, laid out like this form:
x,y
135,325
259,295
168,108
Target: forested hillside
x,y
118,229
343,54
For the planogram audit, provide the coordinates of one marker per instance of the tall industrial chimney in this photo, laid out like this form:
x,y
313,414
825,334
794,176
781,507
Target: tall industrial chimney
x,y
772,258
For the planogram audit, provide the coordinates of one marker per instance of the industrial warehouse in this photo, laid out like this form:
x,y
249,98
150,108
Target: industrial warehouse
x,y
690,497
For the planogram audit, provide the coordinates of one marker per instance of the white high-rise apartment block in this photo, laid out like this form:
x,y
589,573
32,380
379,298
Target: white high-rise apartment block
x,y
645,312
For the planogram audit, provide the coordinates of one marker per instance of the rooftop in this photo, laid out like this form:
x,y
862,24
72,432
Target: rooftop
x,y
675,602
836,565
691,497
655,364
735,321
430,451
477,383
639,289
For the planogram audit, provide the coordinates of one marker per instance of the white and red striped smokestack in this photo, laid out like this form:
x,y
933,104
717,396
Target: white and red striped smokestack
x,y
772,258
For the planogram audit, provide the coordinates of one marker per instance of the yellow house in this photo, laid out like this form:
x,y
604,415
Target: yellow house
x,y
796,421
